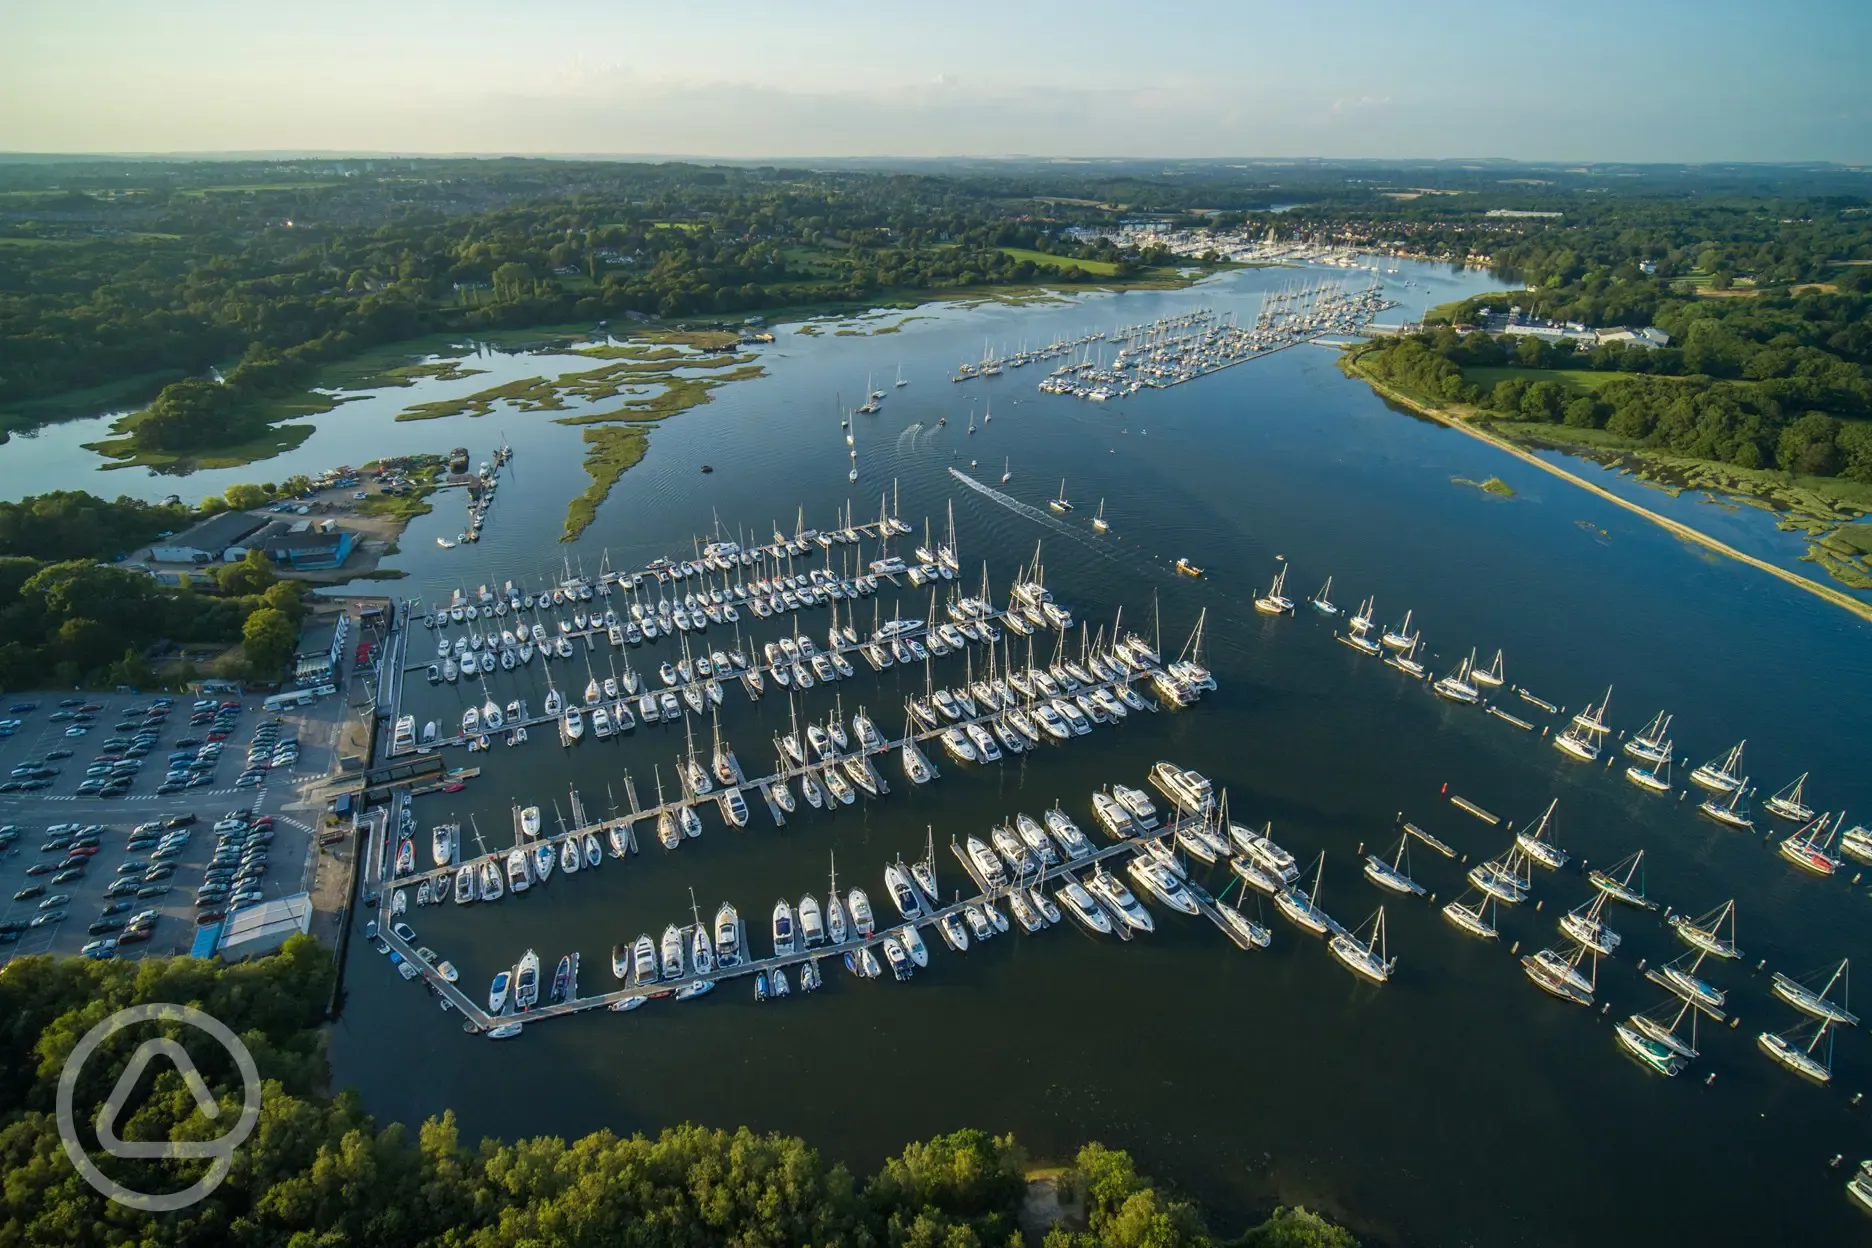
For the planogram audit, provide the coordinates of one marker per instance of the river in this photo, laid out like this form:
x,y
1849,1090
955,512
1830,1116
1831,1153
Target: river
x,y
1456,1105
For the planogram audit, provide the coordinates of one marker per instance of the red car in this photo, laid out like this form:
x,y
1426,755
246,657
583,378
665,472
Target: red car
x,y
230,706
264,821
217,735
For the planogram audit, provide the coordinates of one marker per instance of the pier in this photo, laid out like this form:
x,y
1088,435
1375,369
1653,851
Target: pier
x,y
479,1020
786,774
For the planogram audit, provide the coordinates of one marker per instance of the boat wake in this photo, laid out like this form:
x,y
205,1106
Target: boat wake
x,y
907,440
1034,513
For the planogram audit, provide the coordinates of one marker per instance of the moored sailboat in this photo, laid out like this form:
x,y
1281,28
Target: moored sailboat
x,y
1365,955
1801,993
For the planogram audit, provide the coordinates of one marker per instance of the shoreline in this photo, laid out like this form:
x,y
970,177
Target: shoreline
x,y
1676,528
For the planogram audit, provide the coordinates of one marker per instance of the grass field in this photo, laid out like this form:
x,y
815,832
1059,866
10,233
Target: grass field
x,y
1099,268
1576,380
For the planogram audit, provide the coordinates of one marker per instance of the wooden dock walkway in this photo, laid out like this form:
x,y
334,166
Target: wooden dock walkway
x,y
478,1018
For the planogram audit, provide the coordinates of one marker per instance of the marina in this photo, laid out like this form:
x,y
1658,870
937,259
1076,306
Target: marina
x,y
1293,715
1190,345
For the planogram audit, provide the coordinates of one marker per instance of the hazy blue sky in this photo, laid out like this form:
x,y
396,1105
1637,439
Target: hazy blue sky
x,y
1579,79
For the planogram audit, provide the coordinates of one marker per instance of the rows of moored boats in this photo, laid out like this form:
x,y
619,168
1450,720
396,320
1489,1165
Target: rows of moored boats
x,y
1180,348
1568,970
980,721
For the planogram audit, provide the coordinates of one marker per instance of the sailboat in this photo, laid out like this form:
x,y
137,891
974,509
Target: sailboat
x,y
1617,882
1652,743
1800,993
1358,629
1719,774
1303,908
1683,981
853,474
1654,1042
1007,471
1274,602
1584,924
1490,675
1365,955
1536,843
1731,809
1394,874
1706,932
1459,685
1322,601
1474,917
1580,740
1655,778
1401,637
1787,804
1811,848
1786,1047
1556,972
1060,503
1099,522
901,380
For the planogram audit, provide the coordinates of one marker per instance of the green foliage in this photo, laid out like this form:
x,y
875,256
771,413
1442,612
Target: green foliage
x,y
1297,1228
318,1171
1745,422
77,621
269,635
71,524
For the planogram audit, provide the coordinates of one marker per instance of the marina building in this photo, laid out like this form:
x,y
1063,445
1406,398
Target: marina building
x,y
218,539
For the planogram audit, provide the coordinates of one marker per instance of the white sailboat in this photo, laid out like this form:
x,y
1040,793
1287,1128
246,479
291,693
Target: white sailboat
x,y
1706,931
1730,808
1061,503
1807,1059
1537,842
1787,803
1098,521
1275,601
1322,601
1394,874
1581,738
1490,675
1800,992
1475,917
1584,924
1652,743
1721,775
1364,954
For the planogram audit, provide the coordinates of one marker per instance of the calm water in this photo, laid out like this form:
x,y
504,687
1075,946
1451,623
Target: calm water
x,y
1457,1104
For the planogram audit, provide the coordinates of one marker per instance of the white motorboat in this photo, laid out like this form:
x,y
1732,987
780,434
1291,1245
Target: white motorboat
x,y
784,934
1080,904
1109,889
1161,882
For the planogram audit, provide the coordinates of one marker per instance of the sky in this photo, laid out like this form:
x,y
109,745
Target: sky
x,y
1637,80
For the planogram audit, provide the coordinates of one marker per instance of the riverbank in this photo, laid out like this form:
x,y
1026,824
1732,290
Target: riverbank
x,y
1457,416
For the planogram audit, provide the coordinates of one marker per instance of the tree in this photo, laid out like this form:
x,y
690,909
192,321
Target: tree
x,y
1808,446
269,637
245,497
251,575
286,597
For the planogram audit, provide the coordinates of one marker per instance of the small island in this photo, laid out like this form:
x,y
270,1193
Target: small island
x,y
1494,485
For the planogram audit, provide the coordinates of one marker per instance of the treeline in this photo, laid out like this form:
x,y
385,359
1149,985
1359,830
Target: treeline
x,y
156,278
67,619
320,1172
1752,424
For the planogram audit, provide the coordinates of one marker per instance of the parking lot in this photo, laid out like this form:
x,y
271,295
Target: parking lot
x,y
99,856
